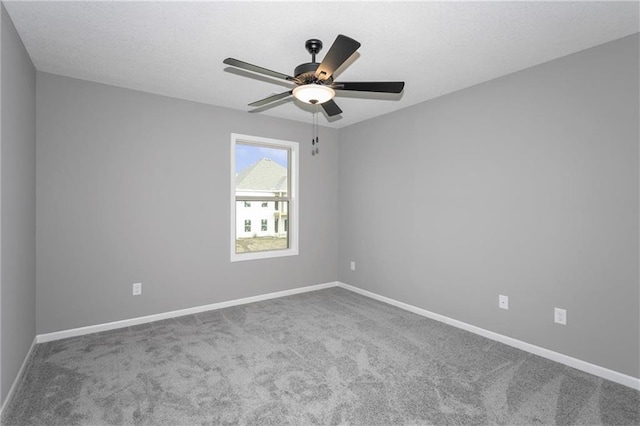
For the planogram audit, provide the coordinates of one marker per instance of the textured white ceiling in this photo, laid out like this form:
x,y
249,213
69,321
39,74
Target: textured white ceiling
x,y
176,48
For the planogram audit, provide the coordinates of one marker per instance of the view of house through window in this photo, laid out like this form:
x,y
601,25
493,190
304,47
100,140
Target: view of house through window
x,y
263,197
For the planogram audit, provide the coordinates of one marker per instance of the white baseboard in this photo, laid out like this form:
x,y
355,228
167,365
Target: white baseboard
x,y
48,337
14,385
596,370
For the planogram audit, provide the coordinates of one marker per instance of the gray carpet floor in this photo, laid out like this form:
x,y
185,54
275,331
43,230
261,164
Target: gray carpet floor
x,y
326,357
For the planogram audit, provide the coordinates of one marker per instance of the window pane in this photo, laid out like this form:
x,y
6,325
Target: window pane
x,y
261,170
273,235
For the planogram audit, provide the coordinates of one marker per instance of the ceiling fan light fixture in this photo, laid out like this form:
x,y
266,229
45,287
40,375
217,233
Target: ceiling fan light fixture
x,y
313,93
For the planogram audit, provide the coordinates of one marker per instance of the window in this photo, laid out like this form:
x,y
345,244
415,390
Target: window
x,y
263,171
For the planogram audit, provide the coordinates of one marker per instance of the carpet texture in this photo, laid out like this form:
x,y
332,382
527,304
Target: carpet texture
x,y
326,357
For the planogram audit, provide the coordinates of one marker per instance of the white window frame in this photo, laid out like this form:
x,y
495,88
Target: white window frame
x,y
294,217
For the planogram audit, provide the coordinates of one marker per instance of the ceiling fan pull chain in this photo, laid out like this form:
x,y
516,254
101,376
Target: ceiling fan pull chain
x,y
317,140
313,134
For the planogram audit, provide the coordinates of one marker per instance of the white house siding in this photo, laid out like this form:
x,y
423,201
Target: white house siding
x,y
256,213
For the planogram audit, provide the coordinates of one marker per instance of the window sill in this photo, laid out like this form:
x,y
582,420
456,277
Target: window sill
x,y
238,257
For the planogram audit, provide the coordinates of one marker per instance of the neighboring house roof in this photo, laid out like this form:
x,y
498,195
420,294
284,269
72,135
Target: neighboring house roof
x,y
265,175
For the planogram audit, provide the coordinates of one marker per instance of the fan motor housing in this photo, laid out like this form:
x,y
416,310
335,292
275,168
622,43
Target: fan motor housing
x,y
306,73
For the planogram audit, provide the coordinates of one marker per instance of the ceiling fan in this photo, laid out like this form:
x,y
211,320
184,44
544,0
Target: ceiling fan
x,y
314,81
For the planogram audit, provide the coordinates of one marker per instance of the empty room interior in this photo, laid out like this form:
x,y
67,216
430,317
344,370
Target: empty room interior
x,y
358,213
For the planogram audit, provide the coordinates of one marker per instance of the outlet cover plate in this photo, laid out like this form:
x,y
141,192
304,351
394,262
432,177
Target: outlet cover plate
x,y
503,302
560,316
137,289
353,265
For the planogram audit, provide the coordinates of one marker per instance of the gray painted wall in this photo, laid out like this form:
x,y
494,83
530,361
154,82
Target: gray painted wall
x,y
17,193
525,186
134,187
2,397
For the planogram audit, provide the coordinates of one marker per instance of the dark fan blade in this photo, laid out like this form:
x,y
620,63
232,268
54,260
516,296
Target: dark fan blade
x,y
372,86
339,52
331,108
255,68
271,98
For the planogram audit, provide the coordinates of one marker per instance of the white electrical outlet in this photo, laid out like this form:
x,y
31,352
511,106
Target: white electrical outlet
x,y
137,289
353,265
503,302
560,316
